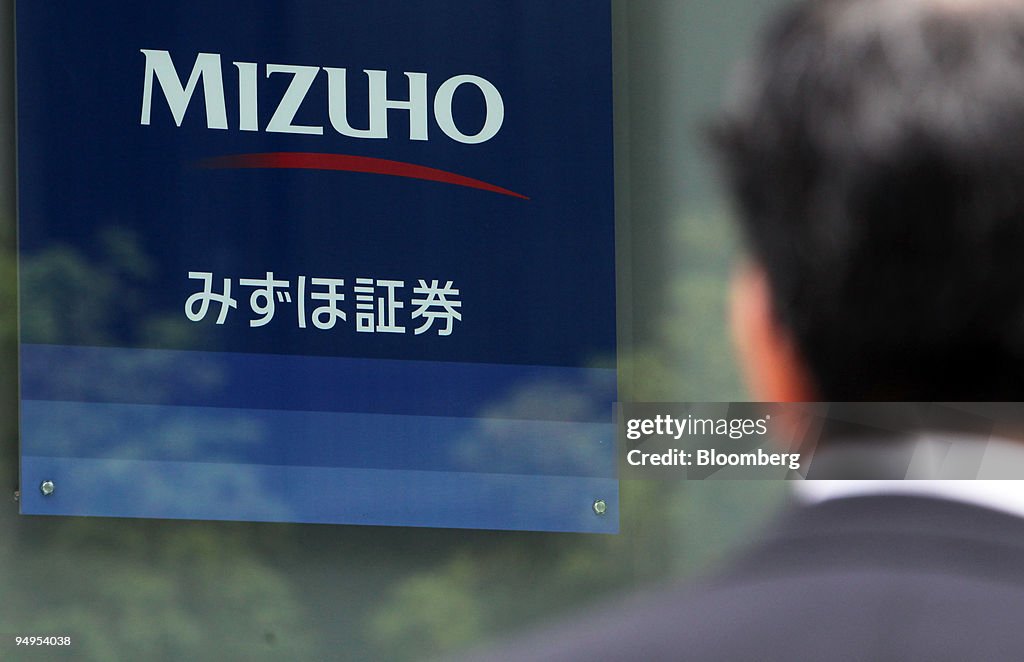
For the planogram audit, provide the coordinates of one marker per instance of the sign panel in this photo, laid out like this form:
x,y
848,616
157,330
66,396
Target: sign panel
x,y
315,261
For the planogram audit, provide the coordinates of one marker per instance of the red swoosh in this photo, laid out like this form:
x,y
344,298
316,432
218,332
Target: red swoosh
x,y
349,163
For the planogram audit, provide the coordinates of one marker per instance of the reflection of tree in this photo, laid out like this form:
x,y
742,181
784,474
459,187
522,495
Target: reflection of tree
x,y
170,589
480,591
157,590
82,298
9,564
499,583
215,590
131,589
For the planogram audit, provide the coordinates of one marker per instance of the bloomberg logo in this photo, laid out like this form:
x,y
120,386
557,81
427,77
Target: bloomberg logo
x,y
208,68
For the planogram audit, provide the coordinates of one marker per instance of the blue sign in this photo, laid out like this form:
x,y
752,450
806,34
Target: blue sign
x,y
318,261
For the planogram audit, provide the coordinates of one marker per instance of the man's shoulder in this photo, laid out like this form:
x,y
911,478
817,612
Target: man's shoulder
x,y
865,578
889,533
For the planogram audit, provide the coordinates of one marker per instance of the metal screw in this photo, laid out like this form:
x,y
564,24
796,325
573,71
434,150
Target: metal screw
x,y
46,487
17,495
600,507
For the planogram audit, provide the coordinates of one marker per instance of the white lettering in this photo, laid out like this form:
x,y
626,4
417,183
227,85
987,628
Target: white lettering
x,y
380,104
206,67
302,80
248,108
416,105
443,109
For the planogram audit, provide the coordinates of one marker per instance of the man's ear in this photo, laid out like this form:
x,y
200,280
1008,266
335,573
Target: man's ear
x,y
768,356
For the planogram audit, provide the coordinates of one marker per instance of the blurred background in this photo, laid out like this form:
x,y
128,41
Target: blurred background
x,y
138,589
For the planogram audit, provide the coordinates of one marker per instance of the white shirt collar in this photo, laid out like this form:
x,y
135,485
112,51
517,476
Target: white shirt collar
x,y
935,457
1003,495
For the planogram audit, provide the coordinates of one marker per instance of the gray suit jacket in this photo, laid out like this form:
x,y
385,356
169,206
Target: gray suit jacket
x,y
867,578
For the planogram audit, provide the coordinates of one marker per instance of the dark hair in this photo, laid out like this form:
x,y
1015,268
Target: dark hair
x,y
876,151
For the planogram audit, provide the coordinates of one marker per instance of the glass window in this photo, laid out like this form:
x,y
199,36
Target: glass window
x,y
140,588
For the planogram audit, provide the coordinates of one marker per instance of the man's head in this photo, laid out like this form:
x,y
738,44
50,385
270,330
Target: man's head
x,y
875,149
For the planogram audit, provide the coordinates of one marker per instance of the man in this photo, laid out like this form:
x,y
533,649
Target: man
x,y
875,149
